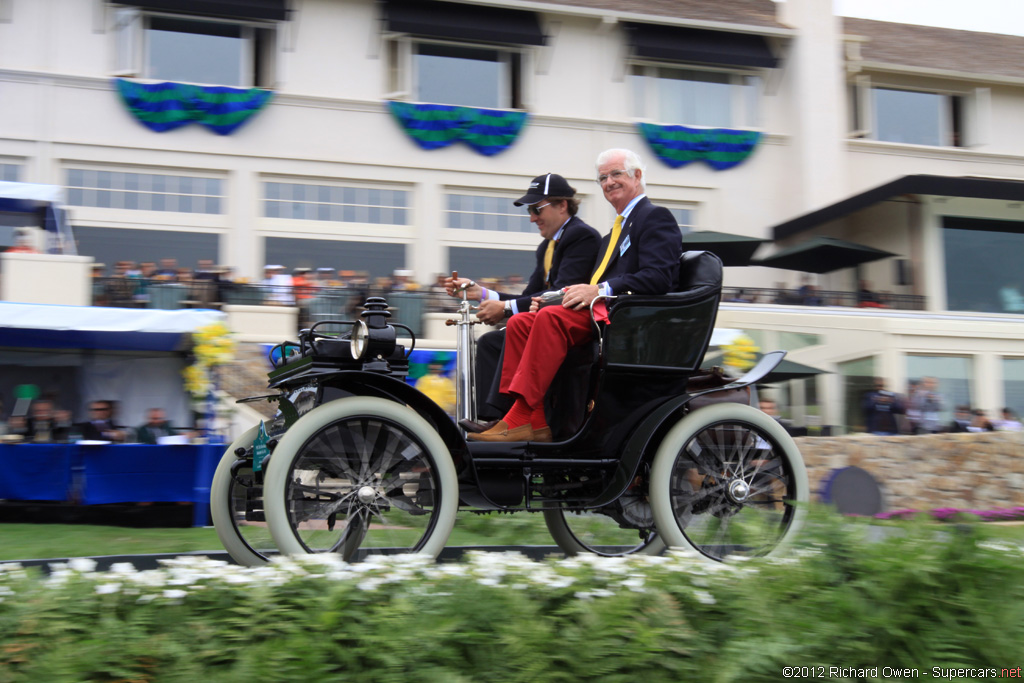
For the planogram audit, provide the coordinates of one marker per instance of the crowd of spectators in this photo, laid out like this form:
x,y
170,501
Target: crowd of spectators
x,y
920,411
46,422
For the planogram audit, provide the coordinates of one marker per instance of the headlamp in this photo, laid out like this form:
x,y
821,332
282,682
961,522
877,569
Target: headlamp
x,y
372,335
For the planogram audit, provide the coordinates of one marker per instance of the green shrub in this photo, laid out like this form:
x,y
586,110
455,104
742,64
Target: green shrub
x,y
921,596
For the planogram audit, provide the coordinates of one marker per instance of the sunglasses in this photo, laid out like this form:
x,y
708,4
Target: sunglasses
x,y
535,210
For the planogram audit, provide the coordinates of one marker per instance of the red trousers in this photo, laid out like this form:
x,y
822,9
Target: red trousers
x,y
535,346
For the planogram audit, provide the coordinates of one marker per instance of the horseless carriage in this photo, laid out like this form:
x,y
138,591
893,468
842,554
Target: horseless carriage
x,y
649,451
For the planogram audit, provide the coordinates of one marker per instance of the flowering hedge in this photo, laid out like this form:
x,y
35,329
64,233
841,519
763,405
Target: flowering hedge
x,y
913,599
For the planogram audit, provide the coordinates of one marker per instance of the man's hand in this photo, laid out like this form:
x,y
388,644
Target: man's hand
x,y
534,304
491,311
454,288
579,296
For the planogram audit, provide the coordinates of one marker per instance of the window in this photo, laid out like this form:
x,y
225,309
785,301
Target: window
x,y
335,203
501,263
913,117
857,378
983,265
376,259
686,217
458,53
144,191
194,49
480,212
10,172
954,380
110,245
1013,384
468,76
457,74
695,97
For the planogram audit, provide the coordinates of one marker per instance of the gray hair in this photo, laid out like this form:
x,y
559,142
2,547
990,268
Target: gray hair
x,y
631,160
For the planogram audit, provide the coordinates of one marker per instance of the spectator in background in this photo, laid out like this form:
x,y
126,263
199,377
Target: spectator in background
x,y
100,425
156,426
881,410
769,408
925,407
23,244
403,282
278,285
961,420
980,422
1009,422
867,298
168,269
42,424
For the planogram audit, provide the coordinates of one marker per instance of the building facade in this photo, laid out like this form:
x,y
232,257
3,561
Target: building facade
x,y
767,120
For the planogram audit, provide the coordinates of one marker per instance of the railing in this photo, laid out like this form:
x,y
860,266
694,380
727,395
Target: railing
x,y
322,303
792,297
314,302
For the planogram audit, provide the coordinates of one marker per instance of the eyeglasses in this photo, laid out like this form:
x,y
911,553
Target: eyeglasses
x,y
535,210
614,175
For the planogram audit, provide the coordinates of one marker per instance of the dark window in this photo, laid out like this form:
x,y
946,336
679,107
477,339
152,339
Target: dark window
x,y
110,245
983,270
376,259
497,263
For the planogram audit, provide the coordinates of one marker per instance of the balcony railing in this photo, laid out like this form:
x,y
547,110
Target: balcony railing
x,y
792,297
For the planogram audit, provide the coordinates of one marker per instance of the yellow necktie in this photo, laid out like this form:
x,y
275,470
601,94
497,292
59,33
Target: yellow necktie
x,y
616,229
549,256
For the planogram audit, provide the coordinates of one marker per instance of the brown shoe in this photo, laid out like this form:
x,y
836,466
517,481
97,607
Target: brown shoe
x,y
501,432
476,427
542,435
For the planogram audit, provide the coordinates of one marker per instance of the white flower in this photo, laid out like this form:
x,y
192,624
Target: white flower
x,y
704,597
175,594
105,588
83,565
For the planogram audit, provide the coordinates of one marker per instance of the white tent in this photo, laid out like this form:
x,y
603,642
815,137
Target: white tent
x,y
45,201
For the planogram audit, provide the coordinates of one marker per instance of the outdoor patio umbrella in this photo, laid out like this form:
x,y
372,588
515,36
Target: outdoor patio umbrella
x,y
822,255
734,250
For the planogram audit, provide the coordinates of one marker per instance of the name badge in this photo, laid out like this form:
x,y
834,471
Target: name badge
x,y
624,246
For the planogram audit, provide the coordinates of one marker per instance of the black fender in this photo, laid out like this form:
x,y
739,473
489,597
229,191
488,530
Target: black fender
x,y
362,383
647,437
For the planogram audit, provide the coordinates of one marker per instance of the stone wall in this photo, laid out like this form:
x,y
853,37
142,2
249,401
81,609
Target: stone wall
x,y
969,471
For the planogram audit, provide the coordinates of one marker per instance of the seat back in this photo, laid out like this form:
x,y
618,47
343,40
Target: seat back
x,y
669,332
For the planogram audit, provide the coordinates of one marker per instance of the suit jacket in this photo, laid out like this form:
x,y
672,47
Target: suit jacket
x,y
646,256
572,263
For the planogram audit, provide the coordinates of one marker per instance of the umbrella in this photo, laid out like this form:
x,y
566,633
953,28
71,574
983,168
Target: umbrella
x,y
734,250
822,255
785,371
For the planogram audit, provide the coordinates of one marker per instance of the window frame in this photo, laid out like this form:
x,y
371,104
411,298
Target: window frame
x,y
401,72
131,26
963,115
739,107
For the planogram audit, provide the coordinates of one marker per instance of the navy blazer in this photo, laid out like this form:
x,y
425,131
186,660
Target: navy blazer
x,y
572,263
646,256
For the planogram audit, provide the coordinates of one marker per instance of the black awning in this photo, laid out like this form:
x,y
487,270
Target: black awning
x,y
272,10
938,185
822,254
734,250
463,22
701,46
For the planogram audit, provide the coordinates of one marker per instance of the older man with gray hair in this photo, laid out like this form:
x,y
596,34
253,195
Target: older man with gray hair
x,y
639,256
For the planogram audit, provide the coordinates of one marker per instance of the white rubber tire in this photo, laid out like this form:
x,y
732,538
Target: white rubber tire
x,y
221,508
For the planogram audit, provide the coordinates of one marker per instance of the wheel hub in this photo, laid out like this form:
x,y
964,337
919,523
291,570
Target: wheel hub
x,y
366,495
738,490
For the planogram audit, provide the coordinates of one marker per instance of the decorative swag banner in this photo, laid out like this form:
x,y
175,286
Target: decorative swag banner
x,y
721,148
432,126
166,106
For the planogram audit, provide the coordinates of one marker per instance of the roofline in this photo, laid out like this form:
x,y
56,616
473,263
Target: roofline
x,y
976,77
614,16
949,186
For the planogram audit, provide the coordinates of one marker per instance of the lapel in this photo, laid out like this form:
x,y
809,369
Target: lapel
x,y
625,233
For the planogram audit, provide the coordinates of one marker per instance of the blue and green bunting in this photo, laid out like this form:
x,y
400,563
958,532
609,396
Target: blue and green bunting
x,y
721,148
432,126
166,106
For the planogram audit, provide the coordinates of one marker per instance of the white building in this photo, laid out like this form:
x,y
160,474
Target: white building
x,y
900,137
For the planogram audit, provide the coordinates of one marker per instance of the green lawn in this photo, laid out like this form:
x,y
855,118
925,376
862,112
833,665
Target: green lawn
x,y
42,541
